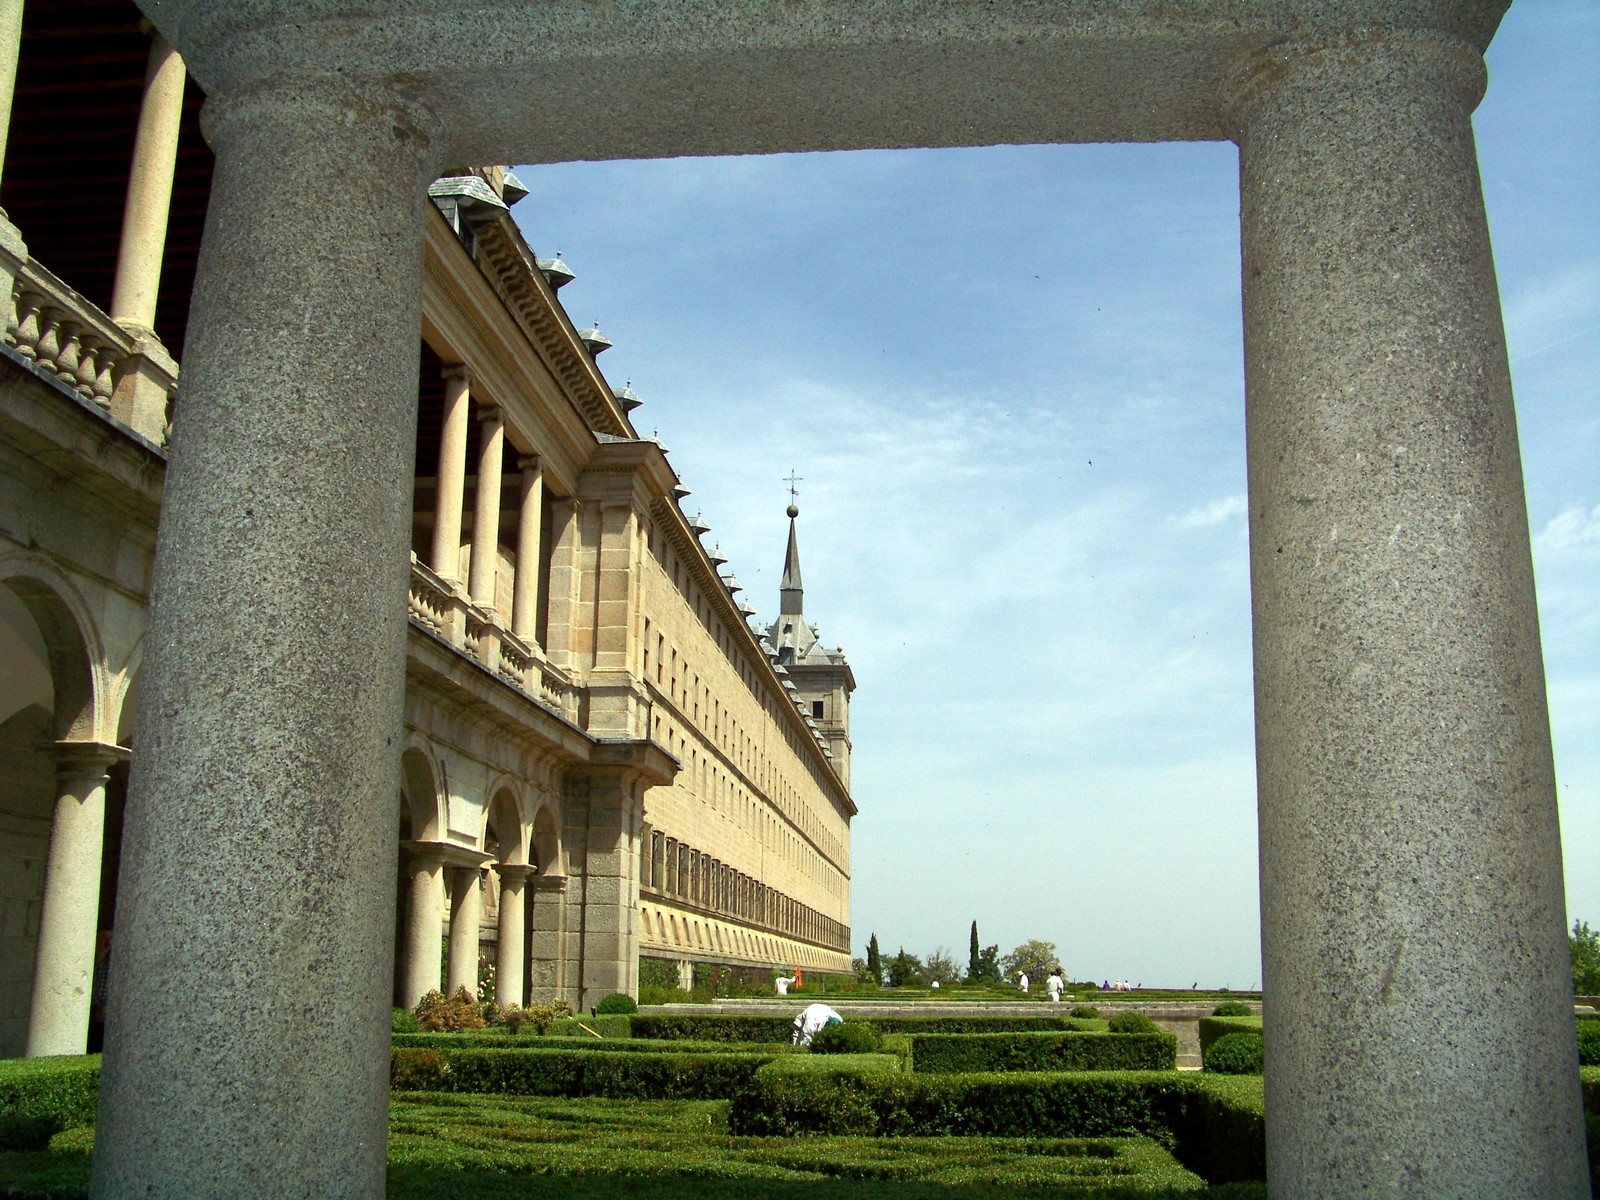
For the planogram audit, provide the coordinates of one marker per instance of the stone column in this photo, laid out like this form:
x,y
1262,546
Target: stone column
x,y
466,918
10,44
258,856
63,972
511,945
530,559
144,215
452,477
547,964
611,889
486,507
1419,1038
424,926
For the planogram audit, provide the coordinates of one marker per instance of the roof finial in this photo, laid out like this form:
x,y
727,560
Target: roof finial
x,y
794,493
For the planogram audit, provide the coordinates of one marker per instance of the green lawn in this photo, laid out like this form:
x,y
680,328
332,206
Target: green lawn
x,y
490,1147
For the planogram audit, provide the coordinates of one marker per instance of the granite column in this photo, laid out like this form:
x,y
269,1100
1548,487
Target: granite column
x,y
1419,1038
270,721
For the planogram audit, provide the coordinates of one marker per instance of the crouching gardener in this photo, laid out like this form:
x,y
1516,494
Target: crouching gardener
x,y
813,1018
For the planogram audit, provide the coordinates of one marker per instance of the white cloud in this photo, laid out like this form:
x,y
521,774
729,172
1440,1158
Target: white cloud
x,y
1571,528
1214,513
1553,309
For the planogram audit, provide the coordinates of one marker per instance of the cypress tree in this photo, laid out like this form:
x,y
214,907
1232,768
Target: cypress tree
x,y
974,958
874,959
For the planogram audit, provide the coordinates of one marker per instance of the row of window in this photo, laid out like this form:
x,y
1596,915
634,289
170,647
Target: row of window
x,y
675,869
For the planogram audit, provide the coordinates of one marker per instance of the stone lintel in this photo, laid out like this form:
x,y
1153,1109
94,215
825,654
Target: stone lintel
x,y
660,79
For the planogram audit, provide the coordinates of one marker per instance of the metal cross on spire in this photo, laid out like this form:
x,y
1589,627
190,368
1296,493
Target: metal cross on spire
x,y
794,492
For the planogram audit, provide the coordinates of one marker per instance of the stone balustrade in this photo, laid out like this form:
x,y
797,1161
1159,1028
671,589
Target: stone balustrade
x,y
443,609
64,334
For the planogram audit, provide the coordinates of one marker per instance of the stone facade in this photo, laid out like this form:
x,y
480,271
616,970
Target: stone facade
x,y
583,693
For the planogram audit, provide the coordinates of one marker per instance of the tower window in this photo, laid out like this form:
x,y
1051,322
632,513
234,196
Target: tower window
x,y
816,709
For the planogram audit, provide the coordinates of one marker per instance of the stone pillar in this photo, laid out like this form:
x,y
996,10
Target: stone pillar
x,y
1419,1038
611,889
567,642
424,926
258,856
10,44
486,507
511,945
144,215
547,964
466,918
452,477
530,559
63,972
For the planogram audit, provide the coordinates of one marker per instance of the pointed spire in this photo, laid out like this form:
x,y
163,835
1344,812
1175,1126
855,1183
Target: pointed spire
x,y
791,594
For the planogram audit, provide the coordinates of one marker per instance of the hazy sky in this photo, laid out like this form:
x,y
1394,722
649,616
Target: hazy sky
x,y
1012,381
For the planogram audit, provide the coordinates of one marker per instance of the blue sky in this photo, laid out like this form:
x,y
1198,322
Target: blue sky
x,y
1012,382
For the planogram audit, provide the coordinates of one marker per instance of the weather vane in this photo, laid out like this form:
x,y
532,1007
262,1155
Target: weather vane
x,y
794,492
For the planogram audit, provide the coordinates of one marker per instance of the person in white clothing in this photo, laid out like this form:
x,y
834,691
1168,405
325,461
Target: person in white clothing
x,y
1022,982
1055,985
782,983
811,1020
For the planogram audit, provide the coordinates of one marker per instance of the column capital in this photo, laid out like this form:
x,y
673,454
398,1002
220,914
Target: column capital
x,y
361,107
489,412
530,462
87,756
513,873
447,853
1418,54
551,884
457,370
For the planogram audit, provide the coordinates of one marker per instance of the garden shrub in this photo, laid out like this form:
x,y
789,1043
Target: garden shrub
x,y
847,1037
39,1097
1083,1010
616,1004
1589,1043
1043,1024
437,1012
1132,1023
615,1076
955,1053
1232,1008
1236,1054
512,1017
400,1021
1212,1028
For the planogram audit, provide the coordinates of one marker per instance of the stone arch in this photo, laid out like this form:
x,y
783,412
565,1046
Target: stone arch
x,y
545,848
65,638
420,797
503,823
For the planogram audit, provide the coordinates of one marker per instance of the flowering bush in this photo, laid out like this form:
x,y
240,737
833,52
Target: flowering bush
x,y
438,1013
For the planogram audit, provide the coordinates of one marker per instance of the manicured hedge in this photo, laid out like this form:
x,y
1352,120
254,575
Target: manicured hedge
x,y
453,1041
625,1076
1216,1126
615,1026
1212,1028
39,1097
941,1053
729,1027
1240,1053
712,1027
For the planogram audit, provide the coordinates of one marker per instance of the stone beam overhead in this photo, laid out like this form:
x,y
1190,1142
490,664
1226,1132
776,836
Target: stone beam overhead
x,y
575,80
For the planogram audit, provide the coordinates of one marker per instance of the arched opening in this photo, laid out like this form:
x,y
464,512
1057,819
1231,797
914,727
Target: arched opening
x,y
47,696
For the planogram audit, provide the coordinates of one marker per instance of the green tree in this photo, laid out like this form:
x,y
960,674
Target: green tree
x,y
905,970
1585,959
973,954
1037,958
988,965
874,961
940,967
